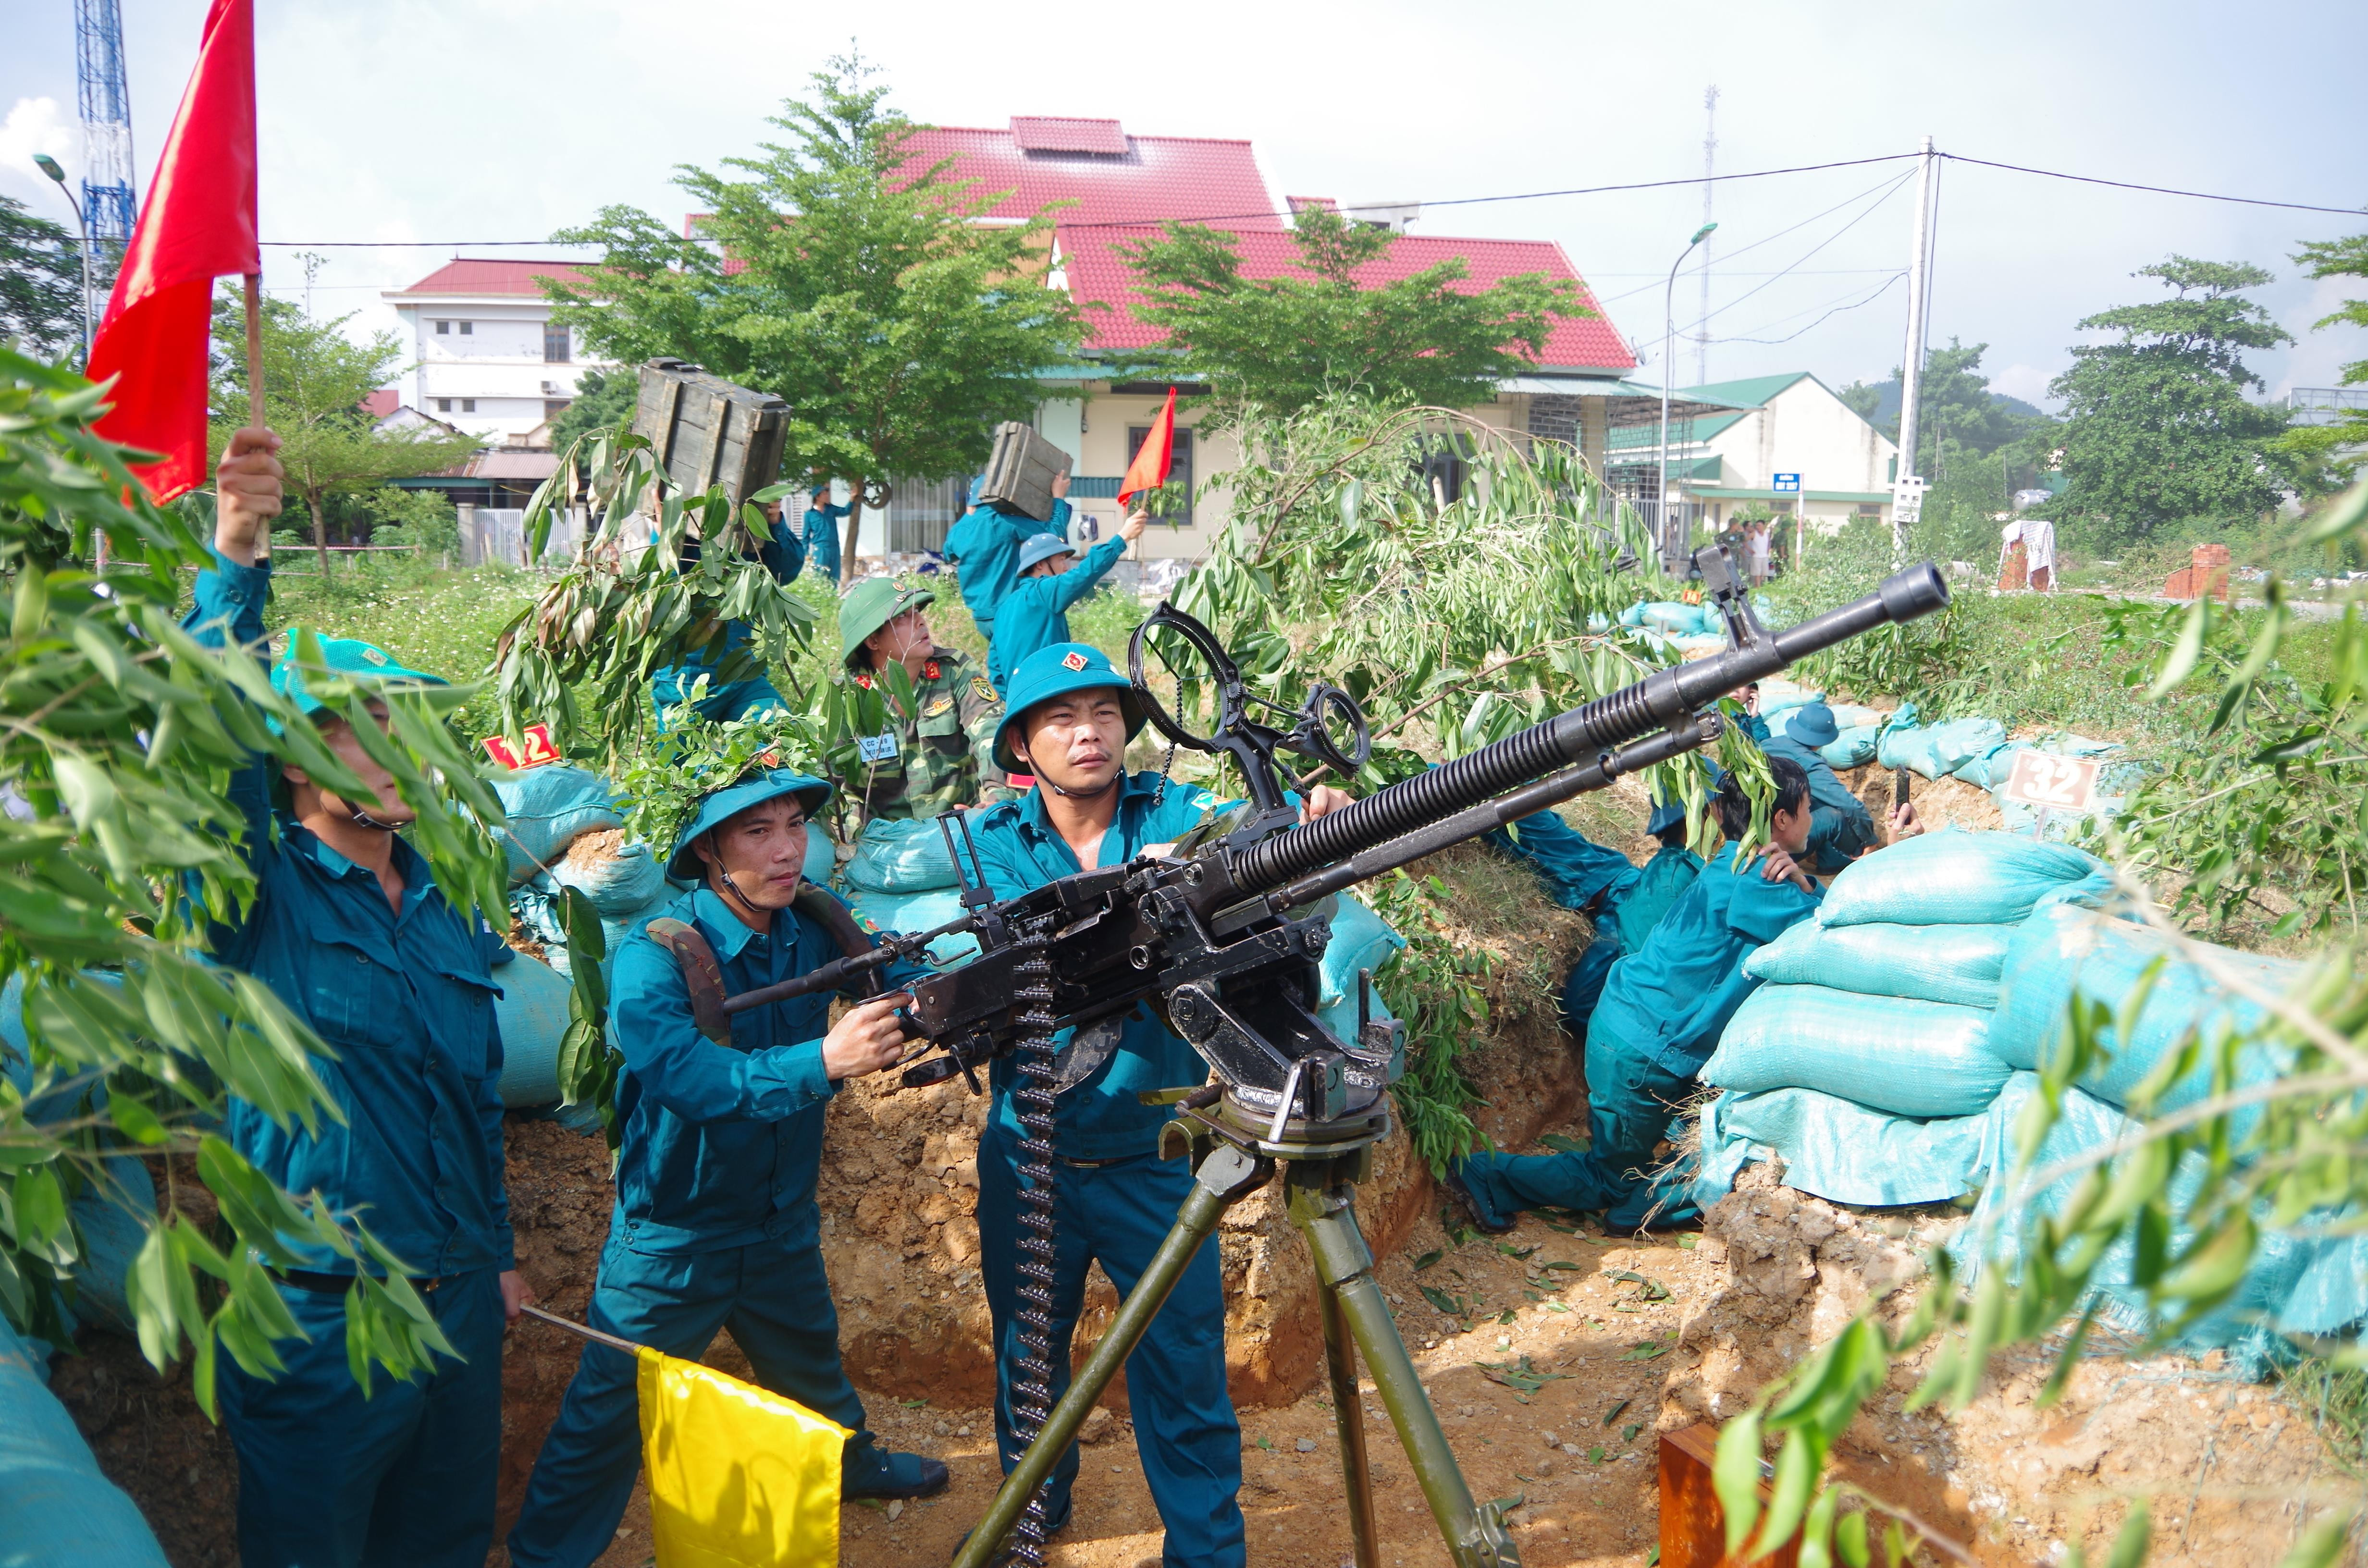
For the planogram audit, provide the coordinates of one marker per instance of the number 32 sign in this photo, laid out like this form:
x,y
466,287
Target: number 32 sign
x,y
2051,783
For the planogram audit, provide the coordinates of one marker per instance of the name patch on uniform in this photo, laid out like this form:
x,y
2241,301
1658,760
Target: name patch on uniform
x,y
876,748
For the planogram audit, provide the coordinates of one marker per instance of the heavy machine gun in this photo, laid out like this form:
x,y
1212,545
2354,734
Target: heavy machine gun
x,y
1223,942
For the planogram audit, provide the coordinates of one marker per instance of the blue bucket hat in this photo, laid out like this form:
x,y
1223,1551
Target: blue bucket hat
x,y
1666,815
1044,547
1055,672
1813,725
362,662
725,804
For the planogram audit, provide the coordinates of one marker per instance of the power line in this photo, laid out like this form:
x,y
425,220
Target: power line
x,y
1884,185
2156,189
1838,310
1871,208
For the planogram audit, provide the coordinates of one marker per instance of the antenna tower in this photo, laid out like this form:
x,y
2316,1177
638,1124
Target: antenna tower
x,y
107,200
1709,155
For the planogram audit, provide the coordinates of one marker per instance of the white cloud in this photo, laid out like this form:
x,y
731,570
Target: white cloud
x,y
37,125
2028,382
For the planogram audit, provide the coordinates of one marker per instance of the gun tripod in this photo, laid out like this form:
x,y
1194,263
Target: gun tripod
x,y
1236,1152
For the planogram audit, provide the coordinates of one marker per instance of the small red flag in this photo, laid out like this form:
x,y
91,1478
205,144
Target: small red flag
x,y
1149,469
199,223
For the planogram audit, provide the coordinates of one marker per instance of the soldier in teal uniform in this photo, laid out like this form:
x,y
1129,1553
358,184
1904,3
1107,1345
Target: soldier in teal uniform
x,y
750,691
984,548
823,518
1840,827
715,1222
348,928
1070,716
1035,613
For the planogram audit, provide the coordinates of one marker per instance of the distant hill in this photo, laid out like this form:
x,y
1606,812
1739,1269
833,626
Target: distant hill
x,y
1886,412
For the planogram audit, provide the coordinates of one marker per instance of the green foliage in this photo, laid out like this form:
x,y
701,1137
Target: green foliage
x,y
314,378
1919,660
2346,257
862,290
604,400
424,518
665,779
117,734
1287,343
40,282
1437,987
589,1061
2157,427
581,656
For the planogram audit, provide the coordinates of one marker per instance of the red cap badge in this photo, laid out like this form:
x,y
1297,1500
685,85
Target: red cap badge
x,y
1073,661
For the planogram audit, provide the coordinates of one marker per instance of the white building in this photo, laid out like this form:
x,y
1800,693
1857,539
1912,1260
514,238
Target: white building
x,y
489,359
1840,466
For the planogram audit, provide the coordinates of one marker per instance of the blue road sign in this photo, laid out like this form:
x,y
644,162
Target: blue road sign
x,y
1787,481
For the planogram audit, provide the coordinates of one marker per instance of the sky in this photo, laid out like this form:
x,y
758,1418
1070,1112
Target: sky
x,y
440,121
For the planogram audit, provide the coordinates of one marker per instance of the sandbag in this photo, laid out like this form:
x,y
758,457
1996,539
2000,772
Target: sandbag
x,y
545,808
822,856
1837,1149
533,1013
1921,1058
1854,747
901,858
1936,749
1777,695
921,911
616,876
1361,940
2059,952
1956,964
55,1505
1961,879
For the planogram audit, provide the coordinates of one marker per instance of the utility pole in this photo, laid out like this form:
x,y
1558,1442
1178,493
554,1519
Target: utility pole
x,y
108,205
1709,155
1911,372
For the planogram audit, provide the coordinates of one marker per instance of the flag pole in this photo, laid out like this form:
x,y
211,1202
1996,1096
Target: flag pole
x,y
254,349
594,1334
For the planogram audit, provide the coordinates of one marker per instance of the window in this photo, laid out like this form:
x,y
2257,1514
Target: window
x,y
467,405
443,329
443,405
554,344
552,407
468,328
1176,509
919,514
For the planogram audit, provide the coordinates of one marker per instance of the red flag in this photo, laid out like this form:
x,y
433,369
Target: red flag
x,y
1149,469
198,223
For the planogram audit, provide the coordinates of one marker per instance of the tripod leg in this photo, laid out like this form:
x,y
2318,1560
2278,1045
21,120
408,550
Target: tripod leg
x,y
1349,1419
1223,1177
1475,1537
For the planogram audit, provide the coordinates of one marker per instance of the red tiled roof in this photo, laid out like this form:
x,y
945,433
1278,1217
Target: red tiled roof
x,y
1049,133
1097,273
1312,203
482,274
1151,179
381,403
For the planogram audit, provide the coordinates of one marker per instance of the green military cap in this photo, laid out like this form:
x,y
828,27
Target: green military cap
x,y
356,660
871,605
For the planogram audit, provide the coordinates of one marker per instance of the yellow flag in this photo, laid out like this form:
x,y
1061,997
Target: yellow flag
x,y
739,1478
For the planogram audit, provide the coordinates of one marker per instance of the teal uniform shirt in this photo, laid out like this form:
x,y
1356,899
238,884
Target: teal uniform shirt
x,y
1035,613
1840,827
984,547
822,537
1669,1000
1647,900
721,1146
1575,871
1101,1119
403,997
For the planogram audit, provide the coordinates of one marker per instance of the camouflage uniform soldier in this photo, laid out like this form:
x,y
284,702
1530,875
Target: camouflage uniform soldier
x,y
942,756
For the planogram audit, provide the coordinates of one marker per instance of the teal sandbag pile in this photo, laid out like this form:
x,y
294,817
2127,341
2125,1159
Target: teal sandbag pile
x,y
618,882
922,910
533,1014
2063,952
1935,749
1778,696
1892,1054
900,857
1957,964
1961,879
1842,1150
55,1505
1854,747
1361,940
545,809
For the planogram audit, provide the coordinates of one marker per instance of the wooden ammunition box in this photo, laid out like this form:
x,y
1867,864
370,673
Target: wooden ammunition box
x,y
1020,471
707,431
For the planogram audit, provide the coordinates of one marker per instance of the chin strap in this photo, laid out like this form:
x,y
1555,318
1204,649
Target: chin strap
x,y
362,818
1090,794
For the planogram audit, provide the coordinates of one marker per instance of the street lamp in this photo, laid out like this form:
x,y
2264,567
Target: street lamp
x,y
1668,338
49,166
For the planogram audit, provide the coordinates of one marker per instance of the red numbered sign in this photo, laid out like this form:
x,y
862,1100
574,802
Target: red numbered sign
x,y
536,751
2051,783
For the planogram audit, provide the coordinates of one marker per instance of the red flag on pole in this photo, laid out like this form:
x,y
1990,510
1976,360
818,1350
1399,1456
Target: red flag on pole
x,y
1149,469
198,223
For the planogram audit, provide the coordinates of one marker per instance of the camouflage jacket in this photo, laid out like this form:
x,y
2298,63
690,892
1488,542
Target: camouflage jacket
x,y
944,752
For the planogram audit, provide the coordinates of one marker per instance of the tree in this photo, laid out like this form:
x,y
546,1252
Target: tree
x,y
315,379
1957,408
861,291
117,733
2319,453
41,281
1287,343
2158,427
602,402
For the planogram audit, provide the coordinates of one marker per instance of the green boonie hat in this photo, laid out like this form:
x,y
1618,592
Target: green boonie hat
x,y
346,656
729,801
871,605
1055,672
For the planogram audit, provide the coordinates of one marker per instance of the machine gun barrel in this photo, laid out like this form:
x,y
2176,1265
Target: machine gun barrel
x,y
1665,699
838,971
